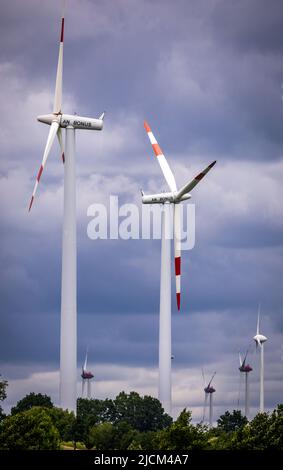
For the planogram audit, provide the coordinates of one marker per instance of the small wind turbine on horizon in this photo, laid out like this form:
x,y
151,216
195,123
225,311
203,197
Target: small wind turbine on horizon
x,y
260,340
68,335
86,379
208,392
245,368
174,197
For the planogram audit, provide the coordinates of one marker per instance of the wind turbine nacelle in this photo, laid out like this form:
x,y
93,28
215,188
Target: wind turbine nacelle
x,y
80,122
162,198
77,122
260,339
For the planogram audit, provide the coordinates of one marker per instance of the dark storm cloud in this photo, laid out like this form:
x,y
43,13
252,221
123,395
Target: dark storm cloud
x,y
207,76
248,26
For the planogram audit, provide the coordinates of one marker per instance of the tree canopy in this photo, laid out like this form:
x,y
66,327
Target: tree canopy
x,y
182,435
230,422
29,430
131,421
3,395
31,400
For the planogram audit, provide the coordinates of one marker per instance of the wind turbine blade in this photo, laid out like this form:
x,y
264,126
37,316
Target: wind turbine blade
x,y
258,317
60,140
245,358
211,379
51,136
166,170
85,364
240,359
203,377
177,250
189,186
59,76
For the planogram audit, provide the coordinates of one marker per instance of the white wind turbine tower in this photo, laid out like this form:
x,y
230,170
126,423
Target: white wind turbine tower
x,y
208,392
86,379
68,336
174,197
246,368
260,340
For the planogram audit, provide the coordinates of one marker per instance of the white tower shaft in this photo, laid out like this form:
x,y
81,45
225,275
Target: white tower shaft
x,y
261,395
165,313
68,333
247,398
210,409
89,389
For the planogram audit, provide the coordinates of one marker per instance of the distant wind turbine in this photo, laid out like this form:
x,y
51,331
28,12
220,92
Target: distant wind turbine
x,y
68,340
86,379
245,368
174,197
208,392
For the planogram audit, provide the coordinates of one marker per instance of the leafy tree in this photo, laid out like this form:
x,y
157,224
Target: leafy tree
x,y
254,436
264,432
3,387
275,432
90,413
142,413
124,435
144,441
219,440
138,413
31,400
181,435
64,421
230,422
29,430
102,436
3,395
96,411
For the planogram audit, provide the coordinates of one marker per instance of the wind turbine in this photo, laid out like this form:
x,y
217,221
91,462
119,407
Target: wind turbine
x,y
260,340
86,378
174,197
68,335
246,368
208,392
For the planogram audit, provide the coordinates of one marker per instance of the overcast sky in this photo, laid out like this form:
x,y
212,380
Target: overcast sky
x,y
207,76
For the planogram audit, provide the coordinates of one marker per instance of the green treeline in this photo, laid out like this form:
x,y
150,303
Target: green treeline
x,y
131,422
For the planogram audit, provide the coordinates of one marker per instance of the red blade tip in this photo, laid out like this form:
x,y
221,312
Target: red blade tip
x,y
62,30
146,126
178,295
30,204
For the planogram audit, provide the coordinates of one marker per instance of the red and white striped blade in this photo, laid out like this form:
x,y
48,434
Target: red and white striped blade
x,y
166,170
51,136
59,77
177,251
60,140
189,186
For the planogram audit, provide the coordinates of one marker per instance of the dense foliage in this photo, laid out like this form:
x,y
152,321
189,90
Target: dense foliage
x,y
29,430
3,395
31,400
131,422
